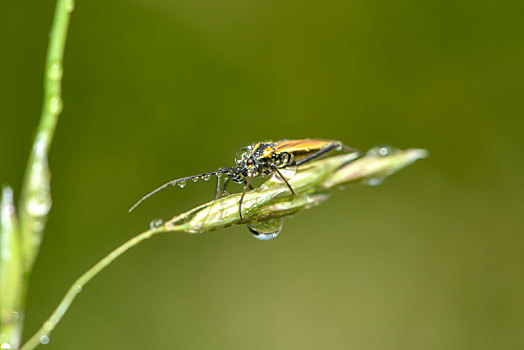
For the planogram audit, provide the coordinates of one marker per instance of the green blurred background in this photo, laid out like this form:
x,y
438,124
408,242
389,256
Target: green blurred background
x,y
156,89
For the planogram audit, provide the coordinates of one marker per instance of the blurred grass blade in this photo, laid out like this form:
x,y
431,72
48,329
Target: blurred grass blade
x,y
35,200
11,274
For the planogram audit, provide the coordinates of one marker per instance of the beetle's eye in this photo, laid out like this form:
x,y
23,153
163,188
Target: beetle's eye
x,y
250,162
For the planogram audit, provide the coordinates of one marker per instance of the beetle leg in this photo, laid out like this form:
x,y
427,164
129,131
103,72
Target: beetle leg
x,y
225,183
248,183
218,193
283,179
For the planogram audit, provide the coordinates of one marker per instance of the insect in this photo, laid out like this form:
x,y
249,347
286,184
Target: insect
x,y
262,159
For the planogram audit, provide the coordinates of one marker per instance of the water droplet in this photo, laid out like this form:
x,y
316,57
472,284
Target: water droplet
x,y
44,340
381,151
55,104
69,5
206,177
374,181
219,175
266,230
5,346
39,205
225,194
182,184
156,223
195,179
79,289
55,70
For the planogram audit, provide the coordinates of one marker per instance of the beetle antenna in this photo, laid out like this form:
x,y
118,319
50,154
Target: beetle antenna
x,y
183,179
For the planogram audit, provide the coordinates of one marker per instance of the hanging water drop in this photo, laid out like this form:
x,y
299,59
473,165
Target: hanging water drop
x,y
182,184
195,179
44,340
206,177
266,230
156,223
79,289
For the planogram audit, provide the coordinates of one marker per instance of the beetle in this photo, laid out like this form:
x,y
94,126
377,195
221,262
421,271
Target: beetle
x,y
262,159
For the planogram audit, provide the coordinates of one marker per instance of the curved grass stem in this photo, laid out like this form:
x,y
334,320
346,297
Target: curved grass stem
x,y
42,335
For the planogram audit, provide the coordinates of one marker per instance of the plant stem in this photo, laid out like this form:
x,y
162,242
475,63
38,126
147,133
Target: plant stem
x,y
42,335
35,200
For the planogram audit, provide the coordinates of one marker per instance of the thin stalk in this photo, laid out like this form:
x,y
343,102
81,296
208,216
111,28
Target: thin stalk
x,y
42,335
35,200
